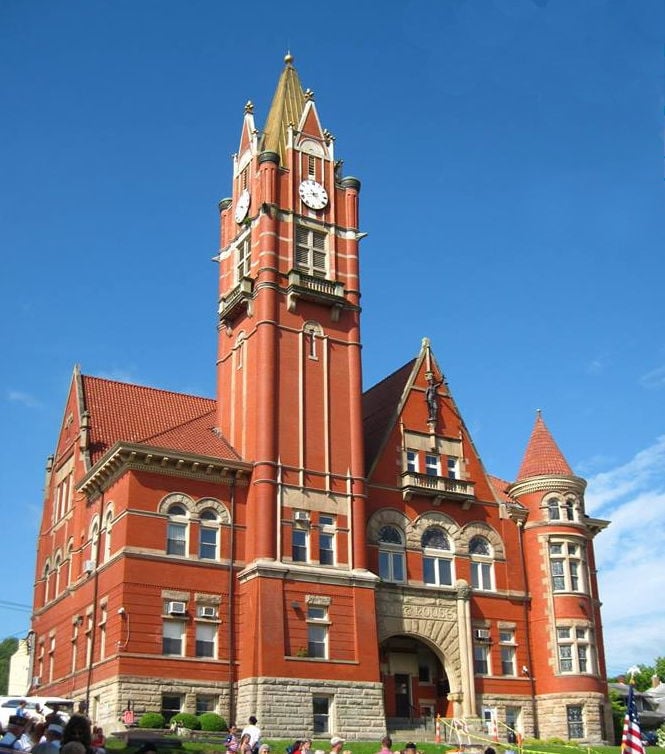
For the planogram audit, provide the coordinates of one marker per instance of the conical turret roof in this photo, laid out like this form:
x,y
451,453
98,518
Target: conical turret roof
x,y
542,455
286,109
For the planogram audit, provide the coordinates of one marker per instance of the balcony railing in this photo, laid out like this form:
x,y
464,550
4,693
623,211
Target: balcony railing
x,y
232,304
314,288
438,487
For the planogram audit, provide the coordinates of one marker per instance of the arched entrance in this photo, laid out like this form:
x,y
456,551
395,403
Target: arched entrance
x,y
415,684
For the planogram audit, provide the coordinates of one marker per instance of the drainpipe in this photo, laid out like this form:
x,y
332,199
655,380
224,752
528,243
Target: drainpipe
x,y
534,710
95,593
229,617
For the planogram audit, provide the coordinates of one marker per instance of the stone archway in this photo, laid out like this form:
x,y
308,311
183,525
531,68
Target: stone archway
x,y
440,622
415,684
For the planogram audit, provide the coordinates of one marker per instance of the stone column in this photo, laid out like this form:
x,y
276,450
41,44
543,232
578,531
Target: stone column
x,y
465,649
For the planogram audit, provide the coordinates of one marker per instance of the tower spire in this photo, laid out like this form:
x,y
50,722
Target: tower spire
x,y
286,110
542,455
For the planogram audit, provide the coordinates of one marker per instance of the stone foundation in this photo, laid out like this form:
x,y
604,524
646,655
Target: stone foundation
x,y
283,707
596,717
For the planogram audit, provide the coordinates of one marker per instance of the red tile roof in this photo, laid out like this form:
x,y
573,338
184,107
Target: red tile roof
x,y
500,486
379,408
542,455
120,412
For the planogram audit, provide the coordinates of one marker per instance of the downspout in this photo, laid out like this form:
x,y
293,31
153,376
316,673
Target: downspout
x,y
534,710
95,592
229,617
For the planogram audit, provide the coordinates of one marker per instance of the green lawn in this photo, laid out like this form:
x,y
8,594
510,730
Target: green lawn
x,y
371,747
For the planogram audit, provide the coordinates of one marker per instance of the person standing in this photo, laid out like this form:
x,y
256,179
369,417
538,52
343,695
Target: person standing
x,y
386,745
254,733
336,744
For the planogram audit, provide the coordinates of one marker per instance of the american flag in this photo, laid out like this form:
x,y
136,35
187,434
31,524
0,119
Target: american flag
x,y
631,740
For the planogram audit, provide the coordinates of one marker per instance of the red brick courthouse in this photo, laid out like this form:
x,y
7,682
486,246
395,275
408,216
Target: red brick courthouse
x,y
328,559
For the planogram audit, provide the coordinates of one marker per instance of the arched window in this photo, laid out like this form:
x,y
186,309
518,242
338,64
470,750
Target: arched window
x,y
482,564
391,554
56,568
437,557
47,583
94,543
561,510
176,536
208,534
70,550
108,522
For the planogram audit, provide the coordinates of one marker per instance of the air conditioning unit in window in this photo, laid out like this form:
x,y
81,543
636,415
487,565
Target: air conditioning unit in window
x,y
88,566
176,608
482,634
301,516
207,611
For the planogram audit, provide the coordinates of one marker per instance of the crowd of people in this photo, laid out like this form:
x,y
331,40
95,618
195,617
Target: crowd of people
x,y
54,733
248,741
60,733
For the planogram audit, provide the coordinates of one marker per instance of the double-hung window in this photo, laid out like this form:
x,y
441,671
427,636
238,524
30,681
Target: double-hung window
x,y
391,554
206,637
575,649
176,537
507,644
566,560
317,631
173,633
326,540
299,544
437,557
208,535
432,465
482,565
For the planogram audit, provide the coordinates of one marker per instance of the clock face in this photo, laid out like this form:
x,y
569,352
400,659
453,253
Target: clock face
x,y
313,194
242,206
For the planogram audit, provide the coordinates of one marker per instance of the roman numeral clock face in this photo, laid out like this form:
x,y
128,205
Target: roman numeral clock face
x,y
313,194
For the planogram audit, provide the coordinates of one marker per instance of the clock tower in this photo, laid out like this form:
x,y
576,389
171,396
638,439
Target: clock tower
x,y
289,399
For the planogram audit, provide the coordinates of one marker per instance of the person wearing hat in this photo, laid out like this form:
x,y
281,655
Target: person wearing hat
x,y
14,738
336,744
52,740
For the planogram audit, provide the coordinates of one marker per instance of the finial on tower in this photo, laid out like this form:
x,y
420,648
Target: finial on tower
x,y
539,413
309,94
288,58
249,107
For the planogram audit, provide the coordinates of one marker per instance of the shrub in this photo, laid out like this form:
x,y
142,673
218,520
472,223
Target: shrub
x,y
212,721
151,720
186,720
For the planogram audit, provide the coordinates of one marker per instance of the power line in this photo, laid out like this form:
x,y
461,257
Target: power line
x,y
15,606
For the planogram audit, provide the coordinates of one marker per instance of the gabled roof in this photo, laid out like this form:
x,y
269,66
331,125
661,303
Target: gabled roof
x,y
120,412
286,109
500,486
542,455
380,404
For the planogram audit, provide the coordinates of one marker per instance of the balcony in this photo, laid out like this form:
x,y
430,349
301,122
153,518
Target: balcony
x,y
239,298
438,487
317,289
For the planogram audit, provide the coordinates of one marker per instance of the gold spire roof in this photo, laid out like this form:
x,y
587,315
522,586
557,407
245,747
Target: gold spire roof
x,y
286,109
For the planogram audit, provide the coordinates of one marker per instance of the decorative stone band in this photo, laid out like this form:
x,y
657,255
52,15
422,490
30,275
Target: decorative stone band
x,y
547,483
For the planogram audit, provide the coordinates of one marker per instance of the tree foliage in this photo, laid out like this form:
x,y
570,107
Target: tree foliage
x,y
7,648
645,674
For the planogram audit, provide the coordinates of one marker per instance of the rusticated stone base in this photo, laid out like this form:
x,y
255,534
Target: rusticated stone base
x,y
108,700
596,717
284,707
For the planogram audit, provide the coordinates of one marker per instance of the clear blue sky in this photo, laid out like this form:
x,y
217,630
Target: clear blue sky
x,y
511,154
